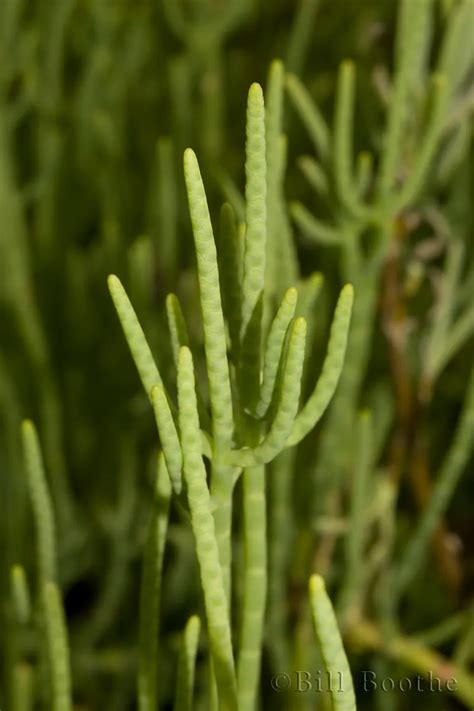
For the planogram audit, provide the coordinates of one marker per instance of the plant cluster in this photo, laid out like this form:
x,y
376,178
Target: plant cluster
x,y
184,563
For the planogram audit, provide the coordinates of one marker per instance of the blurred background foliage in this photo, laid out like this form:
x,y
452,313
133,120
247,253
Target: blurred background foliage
x,y
98,100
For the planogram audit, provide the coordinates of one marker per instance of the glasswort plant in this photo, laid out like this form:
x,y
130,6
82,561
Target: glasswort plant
x,y
254,381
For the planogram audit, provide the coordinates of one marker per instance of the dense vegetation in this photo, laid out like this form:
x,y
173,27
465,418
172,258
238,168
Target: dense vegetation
x,y
350,178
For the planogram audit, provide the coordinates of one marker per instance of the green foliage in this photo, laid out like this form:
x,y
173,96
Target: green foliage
x,y
150,594
332,651
276,397
156,543
41,504
186,665
57,648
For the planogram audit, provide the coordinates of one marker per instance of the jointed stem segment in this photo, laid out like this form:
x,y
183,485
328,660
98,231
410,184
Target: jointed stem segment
x,y
204,532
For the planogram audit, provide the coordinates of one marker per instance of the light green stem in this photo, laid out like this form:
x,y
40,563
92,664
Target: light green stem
x,y
202,522
330,643
186,666
57,648
41,503
255,587
150,595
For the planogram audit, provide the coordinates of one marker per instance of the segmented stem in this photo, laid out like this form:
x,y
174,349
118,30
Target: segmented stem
x,y
310,114
331,371
254,249
187,665
57,648
211,305
287,405
343,140
255,587
256,210
168,435
41,504
330,643
274,347
202,522
139,348
150,593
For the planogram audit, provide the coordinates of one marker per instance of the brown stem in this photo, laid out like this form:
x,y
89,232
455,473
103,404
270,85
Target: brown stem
x,y
365,636
408,452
